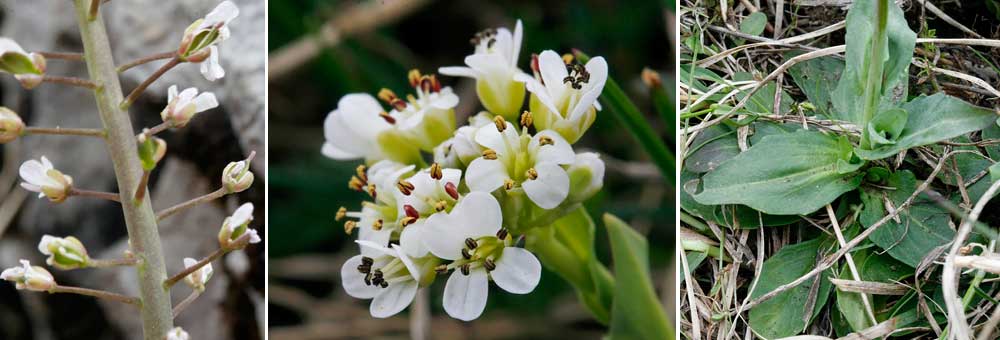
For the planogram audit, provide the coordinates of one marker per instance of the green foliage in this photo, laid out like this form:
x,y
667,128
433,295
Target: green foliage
x,y
754,23
788,313
637,313
920,228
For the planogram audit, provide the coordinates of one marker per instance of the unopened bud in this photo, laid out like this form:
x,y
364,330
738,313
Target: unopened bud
x,y
11,125
177,334
198,278
237,177
64,253
236,226
651,78
41,177
151,150
181,107
29,277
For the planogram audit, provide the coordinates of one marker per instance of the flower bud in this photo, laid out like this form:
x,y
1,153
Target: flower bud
x,y
177,334
236,226
29,277
27,68
42,178
198,278
586,176
182,107
64,253
206,32
151,150
237,176
11,125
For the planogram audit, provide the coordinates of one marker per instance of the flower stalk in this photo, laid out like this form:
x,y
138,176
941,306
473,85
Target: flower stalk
x,y
149,81
95,194
71,56
186,302
71,81
140,220
873,84
243,240
65,131
146,59
100,294
96,263
193,202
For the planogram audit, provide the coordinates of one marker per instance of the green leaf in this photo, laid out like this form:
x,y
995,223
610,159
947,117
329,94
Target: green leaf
x,y
762,102
896,52
787,174
636,312
933,119
785,314
817,78
619,105
886,127
754,23
711,147
921,228
995,172
872,268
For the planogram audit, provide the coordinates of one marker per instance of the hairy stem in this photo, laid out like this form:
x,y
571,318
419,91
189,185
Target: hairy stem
x,y
157,317
146,59
873,83
149,81
70,81
101,294
187,302
196,201
95,194
30,130
187,271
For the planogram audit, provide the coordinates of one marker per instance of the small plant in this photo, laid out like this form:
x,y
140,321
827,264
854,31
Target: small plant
x,y
845,160
499,198
133,156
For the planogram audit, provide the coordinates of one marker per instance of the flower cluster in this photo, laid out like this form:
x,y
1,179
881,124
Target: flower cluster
x,y
520,173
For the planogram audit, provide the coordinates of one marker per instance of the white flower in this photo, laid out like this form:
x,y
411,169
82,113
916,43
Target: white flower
x,y
237,177
26,67
586,176
182,107
64,253
564,97
387,276
29,277
237,225
432,100
494,66
211,68
459,150
531,163
434,191
207,32
11,125
42,178
378,220
471,236
198,278
177,334
352,130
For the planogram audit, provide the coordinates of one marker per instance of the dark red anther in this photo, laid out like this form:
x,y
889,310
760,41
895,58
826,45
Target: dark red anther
x,y
410,211
451,190
534,66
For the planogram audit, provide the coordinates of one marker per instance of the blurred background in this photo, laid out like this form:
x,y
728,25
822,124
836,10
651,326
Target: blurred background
x,y
321,50
233,305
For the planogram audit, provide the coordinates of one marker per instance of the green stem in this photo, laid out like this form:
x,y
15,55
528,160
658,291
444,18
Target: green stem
x,y
140,221
873,83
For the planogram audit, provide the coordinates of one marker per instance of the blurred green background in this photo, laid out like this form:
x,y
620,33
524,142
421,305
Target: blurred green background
x,y
307,247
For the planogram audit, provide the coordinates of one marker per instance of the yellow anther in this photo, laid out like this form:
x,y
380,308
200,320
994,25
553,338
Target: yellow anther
x,y
436,172
341,213
567,58
508,184
349,226
360,171
500,122
531,173
405,187
546,140
527,119
377,225
489,154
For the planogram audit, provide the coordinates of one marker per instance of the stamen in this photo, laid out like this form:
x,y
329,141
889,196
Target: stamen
x,y
489,44
408,221
441,206
387,117
414,77
387,95
489,265
405,187
384,284
367,260
651,78
567,58
398,104
465,253
341,213
531,173
364,268
489,154
349,226
508,184
500,123
360,172
451,190
546,140
442,269
436,172
377,225
410,211
356,183
502,234
527,119
368,279
471,243
371,190
465,269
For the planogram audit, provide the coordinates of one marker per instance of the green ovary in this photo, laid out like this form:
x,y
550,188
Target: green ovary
x,y
504,100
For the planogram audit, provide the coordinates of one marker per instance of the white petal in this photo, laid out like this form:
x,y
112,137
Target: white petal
x,y
379,249
412,240
538,90
477,214
171,93
560,152
447,242
504,44
9,45
205,101
354,281
458,71
446,99
553,71
408,262
516,50
211,68
485,175
43,246
361,112
517,271
332,151
393,299
408,120
33,188
242,215
452,176
465,295
598,69
33,172
550,188
223,13
504,143
489,65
